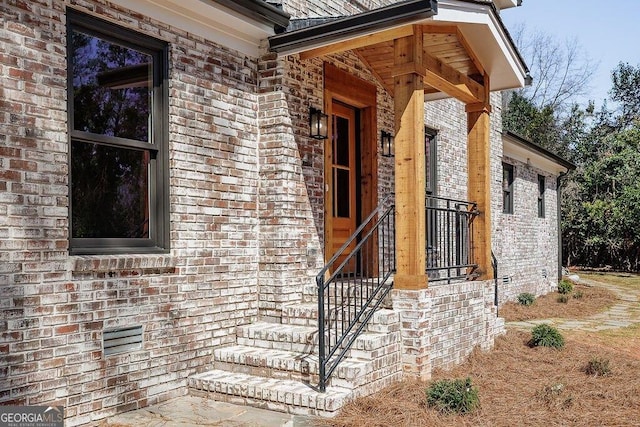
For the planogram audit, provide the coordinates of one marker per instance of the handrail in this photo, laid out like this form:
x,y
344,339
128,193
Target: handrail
x,y
356,283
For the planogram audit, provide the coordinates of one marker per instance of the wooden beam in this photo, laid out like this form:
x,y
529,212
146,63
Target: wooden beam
x,y
368,40
470,52
409,166
479,185
439,29
374,72
446,79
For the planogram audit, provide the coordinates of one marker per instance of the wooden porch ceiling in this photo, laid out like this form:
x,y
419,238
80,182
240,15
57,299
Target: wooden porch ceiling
x,y
449,65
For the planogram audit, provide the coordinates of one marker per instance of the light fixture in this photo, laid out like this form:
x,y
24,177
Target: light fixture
x,y
317,124
386,141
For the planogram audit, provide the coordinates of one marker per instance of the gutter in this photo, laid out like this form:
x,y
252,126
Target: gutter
x,y
259,10
345,27
558,202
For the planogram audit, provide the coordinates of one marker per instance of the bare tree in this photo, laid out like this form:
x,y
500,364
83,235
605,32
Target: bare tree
x,y
561,71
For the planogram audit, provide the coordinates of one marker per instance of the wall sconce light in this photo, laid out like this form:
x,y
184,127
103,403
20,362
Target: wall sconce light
x,y
318,127
386,141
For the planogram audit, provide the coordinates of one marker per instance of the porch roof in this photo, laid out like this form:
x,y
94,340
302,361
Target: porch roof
x,y
465,44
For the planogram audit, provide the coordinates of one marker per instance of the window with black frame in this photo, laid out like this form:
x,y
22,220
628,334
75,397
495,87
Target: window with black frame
x,y
118,138
430,153
430,150
507,188
541,189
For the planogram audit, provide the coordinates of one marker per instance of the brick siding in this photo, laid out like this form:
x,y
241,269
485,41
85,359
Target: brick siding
x,y
526,245
55,307
246,211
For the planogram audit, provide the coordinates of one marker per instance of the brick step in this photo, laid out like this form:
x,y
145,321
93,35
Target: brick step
x,y
304,339
310,292
268,393
351,372
306,314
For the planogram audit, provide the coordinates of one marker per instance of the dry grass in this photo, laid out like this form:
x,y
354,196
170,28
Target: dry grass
x,y
518,386
623,280
523,386
625,340
593,300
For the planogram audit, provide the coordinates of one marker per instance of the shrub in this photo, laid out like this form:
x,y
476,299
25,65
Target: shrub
x,y
598,367
546,336
526,298
565,287
563,299
578,294
453,396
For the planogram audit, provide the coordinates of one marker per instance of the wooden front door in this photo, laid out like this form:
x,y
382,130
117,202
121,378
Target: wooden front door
x,y
344,178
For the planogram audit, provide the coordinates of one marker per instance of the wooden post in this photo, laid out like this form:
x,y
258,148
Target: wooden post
x,y
410,163
479,185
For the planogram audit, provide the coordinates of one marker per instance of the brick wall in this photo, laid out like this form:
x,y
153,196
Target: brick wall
x,y
462,317
246,187
292,174
291,182
310,9
526,245
55,307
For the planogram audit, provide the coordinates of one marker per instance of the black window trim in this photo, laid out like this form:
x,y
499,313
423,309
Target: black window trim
x,y
541,192
507,194
159,236
431,187
432,181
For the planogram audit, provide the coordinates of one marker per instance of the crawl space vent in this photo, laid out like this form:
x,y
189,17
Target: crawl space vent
x,y
506,280
122,340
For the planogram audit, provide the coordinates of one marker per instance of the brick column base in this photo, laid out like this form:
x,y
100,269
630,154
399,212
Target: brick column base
x,y
414,308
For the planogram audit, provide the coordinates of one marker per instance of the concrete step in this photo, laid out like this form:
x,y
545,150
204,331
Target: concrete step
x,y
269,393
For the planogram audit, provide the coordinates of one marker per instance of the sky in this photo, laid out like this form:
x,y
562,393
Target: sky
x,y
607,31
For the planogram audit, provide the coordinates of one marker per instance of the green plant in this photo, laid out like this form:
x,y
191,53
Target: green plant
x,y
526,298
578,294
598,367
546,336
563,299
565,287
453,396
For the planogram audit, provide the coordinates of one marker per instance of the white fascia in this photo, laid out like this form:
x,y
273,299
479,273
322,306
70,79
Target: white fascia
x,y
206,19
485,34
506,4
518,152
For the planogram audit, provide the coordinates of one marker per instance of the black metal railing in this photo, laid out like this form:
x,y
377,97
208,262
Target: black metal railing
x,y
352,286
450,239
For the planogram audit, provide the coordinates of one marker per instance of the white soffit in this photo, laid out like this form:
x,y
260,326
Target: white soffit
x,y
506,4
206,19
516,151
487,38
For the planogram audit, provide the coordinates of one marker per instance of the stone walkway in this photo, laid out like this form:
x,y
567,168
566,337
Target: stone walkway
x,y
625,312
190,411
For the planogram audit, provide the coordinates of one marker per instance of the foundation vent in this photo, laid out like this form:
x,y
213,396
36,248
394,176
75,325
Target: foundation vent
x,y
122,340
506,280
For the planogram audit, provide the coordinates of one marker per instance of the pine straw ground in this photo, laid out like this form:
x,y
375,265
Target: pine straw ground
x,y
523,386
